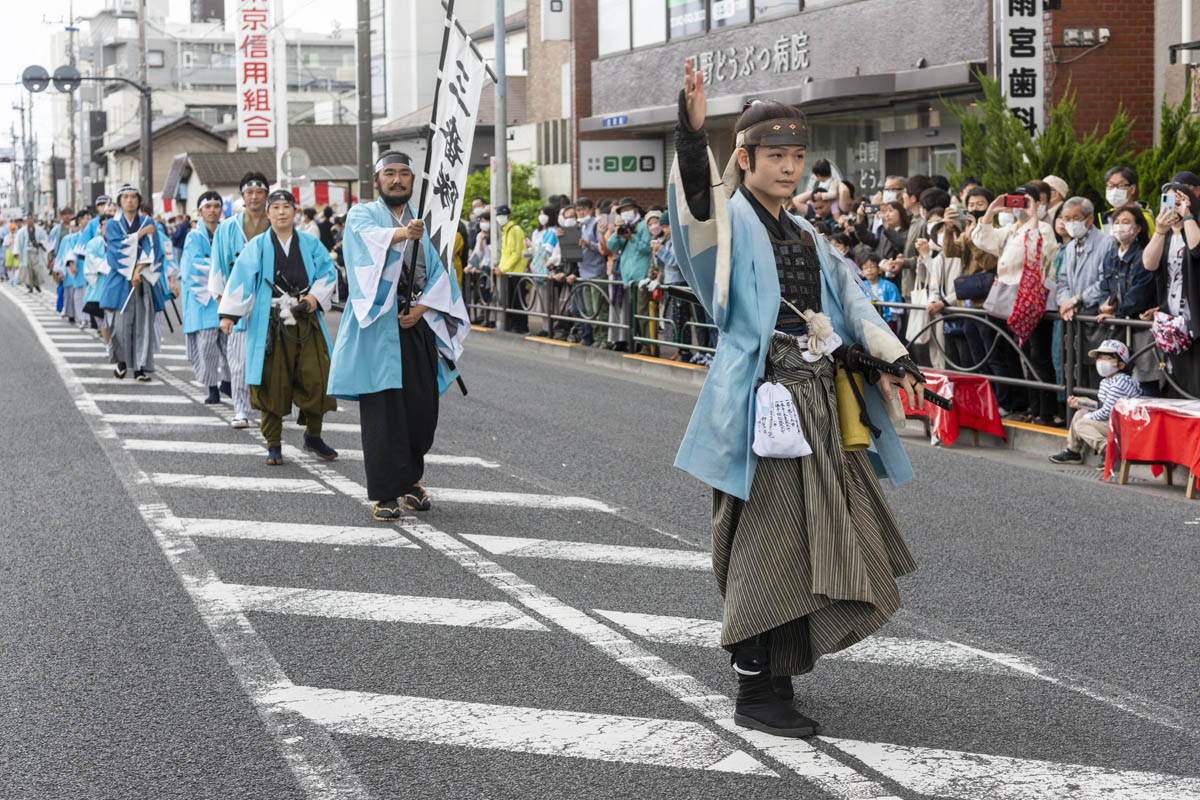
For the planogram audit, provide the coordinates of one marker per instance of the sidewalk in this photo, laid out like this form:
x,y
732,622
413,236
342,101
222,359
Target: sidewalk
x,y
1027,446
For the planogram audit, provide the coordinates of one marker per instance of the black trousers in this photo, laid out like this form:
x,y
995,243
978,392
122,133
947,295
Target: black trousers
x,y
398,425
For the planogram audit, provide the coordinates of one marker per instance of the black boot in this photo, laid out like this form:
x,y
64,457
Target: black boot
x,y
783,687
759,706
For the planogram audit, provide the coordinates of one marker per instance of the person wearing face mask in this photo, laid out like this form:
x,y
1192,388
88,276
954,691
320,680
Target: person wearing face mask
x,y
1173,255
1024,243
1082,269
478,273
1121,189
1059,192
541,248
565,272
631,242
975,260
1090,429
512,260
1129,291
940,272
591,302
478,205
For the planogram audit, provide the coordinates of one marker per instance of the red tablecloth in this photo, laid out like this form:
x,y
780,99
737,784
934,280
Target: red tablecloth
x,y
1154,430
975,405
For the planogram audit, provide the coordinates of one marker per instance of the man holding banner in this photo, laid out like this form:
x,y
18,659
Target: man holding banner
x,y
405,323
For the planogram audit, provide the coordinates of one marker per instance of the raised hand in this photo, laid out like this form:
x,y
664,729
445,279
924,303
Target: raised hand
x,y
693,92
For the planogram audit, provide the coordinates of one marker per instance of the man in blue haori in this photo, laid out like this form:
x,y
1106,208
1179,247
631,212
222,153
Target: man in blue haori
x,y
73,281
201,324
231,238
133,290
806,551
280,285
95,272
391,360
27,242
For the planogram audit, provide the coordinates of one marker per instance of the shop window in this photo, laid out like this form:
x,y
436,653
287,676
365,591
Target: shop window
x,y
649,22
612,25
687,17
766,9
154,58
727,13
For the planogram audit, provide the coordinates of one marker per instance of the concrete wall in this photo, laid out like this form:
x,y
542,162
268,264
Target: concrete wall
x,y
543,96
1120,72
1168,30
856,37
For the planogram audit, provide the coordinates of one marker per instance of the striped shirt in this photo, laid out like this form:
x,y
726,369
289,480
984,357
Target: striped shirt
x,y
1112,389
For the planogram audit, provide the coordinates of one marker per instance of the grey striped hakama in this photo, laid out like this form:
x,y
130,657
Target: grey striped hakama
x,y
235,351
133,331
205,350
813,555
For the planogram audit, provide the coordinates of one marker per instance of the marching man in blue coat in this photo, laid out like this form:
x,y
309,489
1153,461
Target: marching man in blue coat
x,y
95,272
73,280
805,548
133,290
231,238
395,364
201,324
280,285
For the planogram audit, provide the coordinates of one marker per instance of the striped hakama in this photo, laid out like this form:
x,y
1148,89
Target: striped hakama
x,y
133,331
813,555
235,351
206,353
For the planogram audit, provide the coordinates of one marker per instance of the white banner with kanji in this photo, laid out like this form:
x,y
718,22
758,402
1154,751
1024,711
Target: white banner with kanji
x,y
1021,61
452,133
255,69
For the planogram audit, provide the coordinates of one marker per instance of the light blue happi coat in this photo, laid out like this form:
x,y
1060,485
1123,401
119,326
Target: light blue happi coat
x,y
95,269
731,267
72,250
228,243
123,251
64,250
90,231
248,294
366,358
199,305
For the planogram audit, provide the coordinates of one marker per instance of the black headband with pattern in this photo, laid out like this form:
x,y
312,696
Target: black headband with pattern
x,y
281,196
253,183
389,159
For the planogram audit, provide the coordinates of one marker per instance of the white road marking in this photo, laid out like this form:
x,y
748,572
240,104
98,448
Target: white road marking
x,y
92,345
835,778
303,533
320,770
243,449
164,399
552,501
570,734
180,420
520,547
373,607
884,650
107,381
327,427
237,483
951,774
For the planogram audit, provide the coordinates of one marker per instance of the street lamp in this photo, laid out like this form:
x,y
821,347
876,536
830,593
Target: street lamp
x,y
66,79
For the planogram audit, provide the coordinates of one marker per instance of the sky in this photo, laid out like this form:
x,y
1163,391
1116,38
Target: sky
x,y
29,26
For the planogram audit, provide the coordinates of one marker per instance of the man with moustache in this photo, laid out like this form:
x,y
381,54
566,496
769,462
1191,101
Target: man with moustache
x,y
400,317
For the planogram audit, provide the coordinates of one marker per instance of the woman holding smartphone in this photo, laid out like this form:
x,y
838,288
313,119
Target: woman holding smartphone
x,y
1174,253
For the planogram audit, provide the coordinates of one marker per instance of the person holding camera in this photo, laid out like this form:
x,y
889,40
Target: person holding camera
x,y
630,241
1174,255
281,283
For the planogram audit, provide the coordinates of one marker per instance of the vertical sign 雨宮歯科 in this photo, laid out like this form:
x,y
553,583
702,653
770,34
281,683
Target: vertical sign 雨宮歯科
x,y
255,90
1021,66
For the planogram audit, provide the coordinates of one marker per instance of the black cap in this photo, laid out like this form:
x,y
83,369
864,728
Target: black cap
x,y
628,201
503,210
1186,178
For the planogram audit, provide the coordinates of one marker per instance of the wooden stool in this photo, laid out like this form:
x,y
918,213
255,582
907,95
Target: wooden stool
x,y
1168,470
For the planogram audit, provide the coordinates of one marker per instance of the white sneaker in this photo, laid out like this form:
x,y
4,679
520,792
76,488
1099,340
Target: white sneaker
x,y
240,422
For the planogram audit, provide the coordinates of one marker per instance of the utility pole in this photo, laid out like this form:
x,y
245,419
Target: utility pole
x,y
280,68
24,159
16,165
500,190
72,164
31,181
362,46
147,129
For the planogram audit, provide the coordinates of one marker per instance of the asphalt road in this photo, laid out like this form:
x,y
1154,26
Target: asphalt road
x,y
546,629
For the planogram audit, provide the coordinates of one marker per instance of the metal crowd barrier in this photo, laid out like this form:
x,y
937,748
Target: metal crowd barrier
x,y
497,297
1075,345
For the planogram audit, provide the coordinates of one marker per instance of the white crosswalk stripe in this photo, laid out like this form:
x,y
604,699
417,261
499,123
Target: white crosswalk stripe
x,y
243,449
236,483
569,734
169,420
161,399
372,607
524,500
883,650
518,547
301,533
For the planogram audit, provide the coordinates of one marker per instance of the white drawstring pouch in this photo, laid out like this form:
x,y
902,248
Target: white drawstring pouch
x,y
777,432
